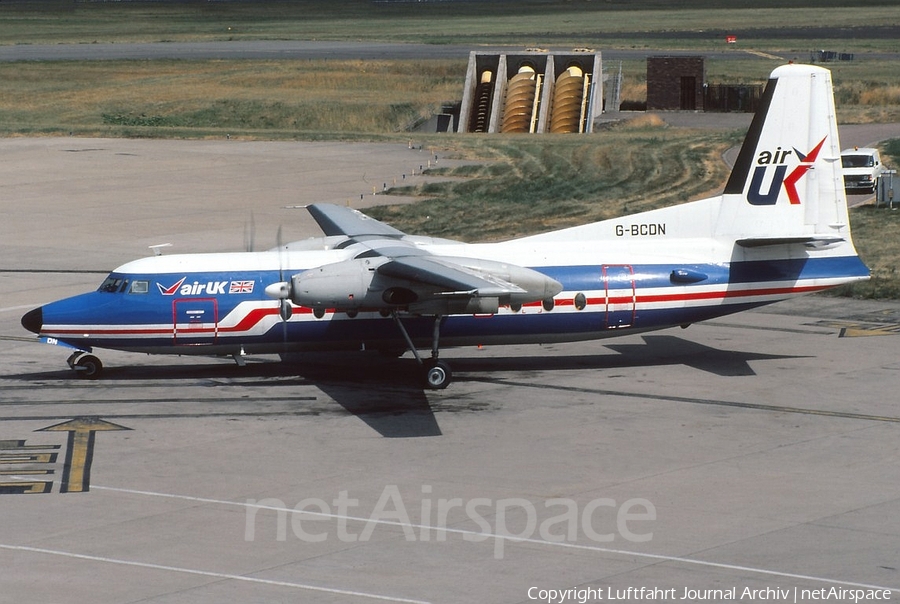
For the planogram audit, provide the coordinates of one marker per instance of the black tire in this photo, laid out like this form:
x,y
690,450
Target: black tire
x,y
438,375
88,367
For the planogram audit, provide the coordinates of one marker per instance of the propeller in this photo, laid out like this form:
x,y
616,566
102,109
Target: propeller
x,y
281,291
250,233
286,310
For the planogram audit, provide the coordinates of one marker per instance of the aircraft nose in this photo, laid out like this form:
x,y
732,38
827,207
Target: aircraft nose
x,y
33,320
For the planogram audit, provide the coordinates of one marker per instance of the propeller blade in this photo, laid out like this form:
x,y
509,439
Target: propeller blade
x,y
250,234
282,289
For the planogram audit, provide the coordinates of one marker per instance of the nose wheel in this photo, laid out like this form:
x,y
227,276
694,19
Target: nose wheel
x,y
86,366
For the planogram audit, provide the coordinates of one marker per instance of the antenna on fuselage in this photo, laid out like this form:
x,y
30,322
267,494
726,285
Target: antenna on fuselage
x,y
157,249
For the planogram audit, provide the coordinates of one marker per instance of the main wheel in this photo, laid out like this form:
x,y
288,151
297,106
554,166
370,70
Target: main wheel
x,y
88,367
438,376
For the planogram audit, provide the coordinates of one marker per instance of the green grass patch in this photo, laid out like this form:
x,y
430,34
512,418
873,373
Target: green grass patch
x,y
694,24
891,154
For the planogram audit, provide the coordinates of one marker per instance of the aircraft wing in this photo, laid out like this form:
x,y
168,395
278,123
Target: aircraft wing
x,y
447,276
338,220
390,271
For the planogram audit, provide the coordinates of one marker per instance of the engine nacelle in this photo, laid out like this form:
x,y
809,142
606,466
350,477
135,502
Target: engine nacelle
x,y
343,285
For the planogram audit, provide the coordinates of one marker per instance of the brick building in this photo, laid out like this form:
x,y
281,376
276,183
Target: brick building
x,y
675,83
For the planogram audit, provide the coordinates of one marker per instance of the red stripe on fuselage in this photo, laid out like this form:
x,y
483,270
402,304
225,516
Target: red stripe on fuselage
x,y
255,316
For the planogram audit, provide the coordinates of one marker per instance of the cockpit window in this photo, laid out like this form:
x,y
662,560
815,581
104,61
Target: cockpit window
x,y
140,287
112,284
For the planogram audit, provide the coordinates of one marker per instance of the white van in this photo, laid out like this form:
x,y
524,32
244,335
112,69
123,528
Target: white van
x,y
861,166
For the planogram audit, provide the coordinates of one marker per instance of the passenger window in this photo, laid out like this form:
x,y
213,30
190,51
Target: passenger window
x,y
580,301
140,287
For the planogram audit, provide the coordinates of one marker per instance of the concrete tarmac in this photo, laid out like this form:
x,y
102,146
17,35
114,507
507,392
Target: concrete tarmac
x,y
755,452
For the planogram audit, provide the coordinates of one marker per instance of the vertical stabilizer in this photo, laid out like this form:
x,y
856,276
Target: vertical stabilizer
x,y
787,182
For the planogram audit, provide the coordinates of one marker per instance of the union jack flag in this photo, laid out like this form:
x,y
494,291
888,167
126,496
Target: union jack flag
x,y
241,287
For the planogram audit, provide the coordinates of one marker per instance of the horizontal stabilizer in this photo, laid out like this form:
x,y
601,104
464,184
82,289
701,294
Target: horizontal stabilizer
x,y
819,241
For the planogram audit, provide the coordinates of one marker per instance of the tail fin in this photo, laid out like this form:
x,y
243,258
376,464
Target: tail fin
x,y
787,185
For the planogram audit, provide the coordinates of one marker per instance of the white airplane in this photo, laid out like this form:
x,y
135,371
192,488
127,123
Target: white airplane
x,y
780,229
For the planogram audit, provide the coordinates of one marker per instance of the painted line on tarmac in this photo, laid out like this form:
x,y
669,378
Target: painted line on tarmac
x,y
55,271
700,401
210,574
816,332
481,535
126,416
29,340
159,401
20,307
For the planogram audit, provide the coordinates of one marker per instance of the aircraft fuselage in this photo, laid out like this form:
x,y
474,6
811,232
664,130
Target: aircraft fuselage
x,y
151,306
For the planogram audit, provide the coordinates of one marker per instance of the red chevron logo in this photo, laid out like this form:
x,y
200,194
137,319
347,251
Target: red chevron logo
x,y
806,162
170,291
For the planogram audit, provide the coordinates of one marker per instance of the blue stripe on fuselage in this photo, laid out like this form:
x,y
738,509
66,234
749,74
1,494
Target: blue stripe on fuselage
x,y
156,308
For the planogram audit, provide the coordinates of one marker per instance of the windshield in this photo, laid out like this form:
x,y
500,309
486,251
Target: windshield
x,y
118,284
113,284
857,161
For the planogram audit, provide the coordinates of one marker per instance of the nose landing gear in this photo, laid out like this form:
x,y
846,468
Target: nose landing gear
x,y
86,366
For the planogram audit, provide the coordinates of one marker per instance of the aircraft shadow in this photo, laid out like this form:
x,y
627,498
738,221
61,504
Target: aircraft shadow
x,y
656,350
387,394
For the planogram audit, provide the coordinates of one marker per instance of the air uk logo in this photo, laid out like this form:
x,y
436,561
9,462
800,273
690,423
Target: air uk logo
x,y
170,291
209,288
778,159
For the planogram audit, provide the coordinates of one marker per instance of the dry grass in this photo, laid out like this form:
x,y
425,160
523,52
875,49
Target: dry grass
x,y
880,94
554,181
284,97
643,122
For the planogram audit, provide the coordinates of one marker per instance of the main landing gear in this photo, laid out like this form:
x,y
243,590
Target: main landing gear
x,y
86,366
437,375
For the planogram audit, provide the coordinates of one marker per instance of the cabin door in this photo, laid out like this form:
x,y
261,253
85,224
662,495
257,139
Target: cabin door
x,y
620,295
196,321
